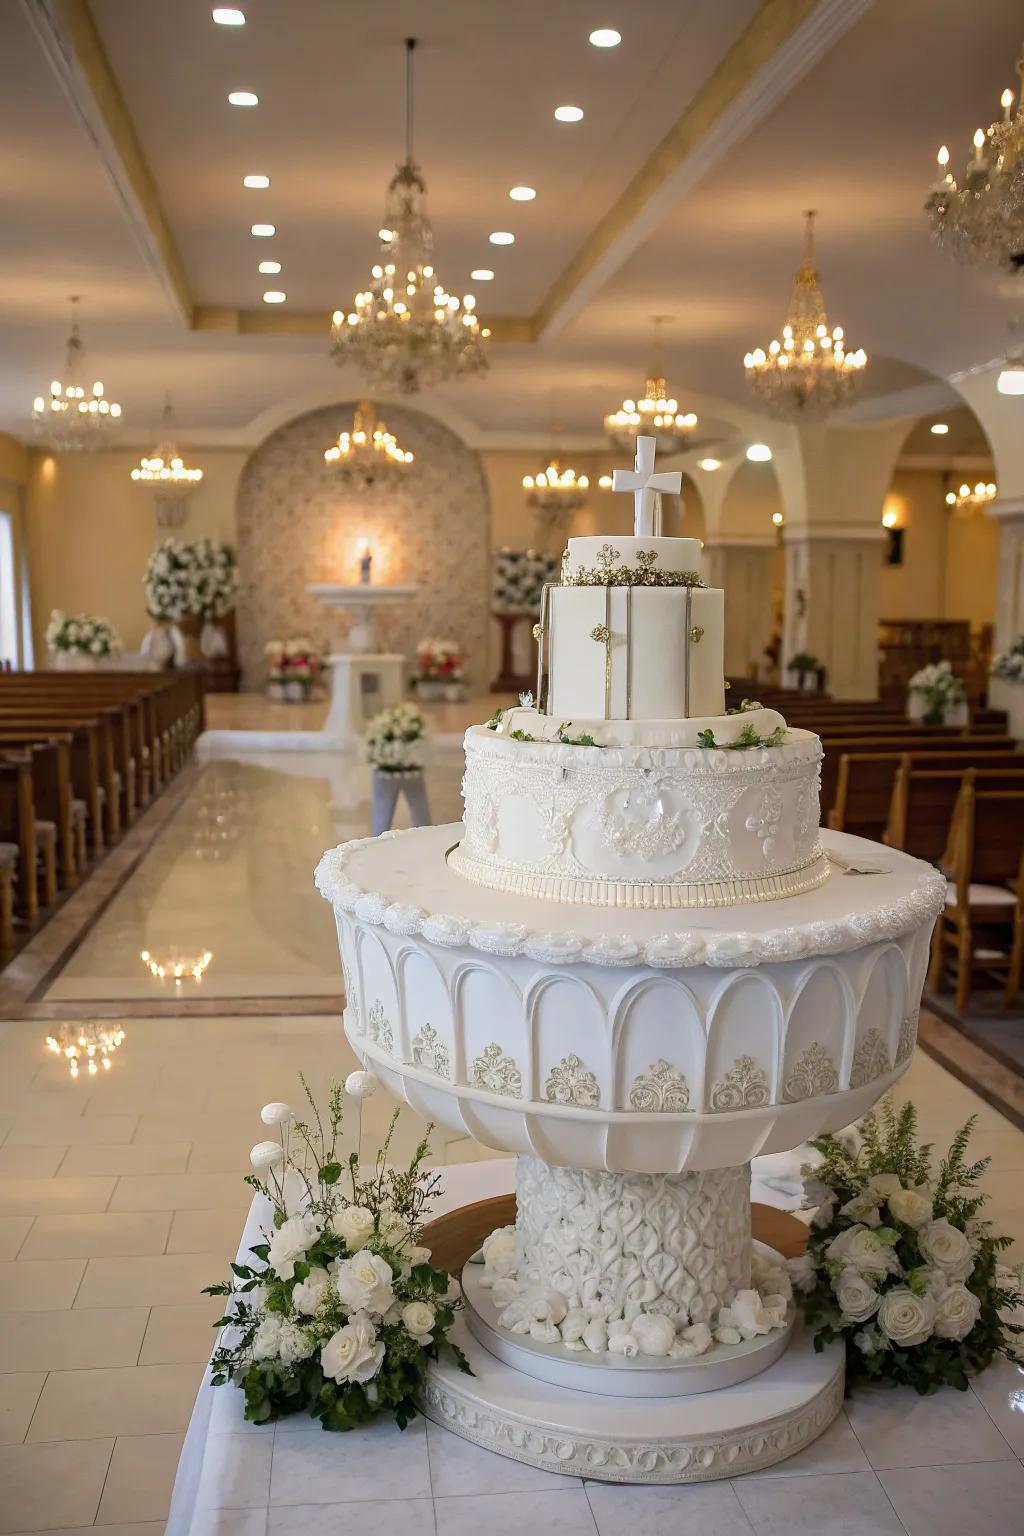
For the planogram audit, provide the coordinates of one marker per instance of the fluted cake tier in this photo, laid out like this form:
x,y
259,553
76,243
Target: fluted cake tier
x,y
641,826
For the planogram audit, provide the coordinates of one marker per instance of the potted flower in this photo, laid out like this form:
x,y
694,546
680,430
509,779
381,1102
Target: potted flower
x,y
293,666
1006,685
215,594
171,585
396,747
80,641
936,696
805,672
438,673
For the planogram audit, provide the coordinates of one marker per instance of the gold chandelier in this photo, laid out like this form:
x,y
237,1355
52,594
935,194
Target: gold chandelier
x,y
70,420
368,454
656,414
166,474
980,220
968,497
555,492
809,370
405,330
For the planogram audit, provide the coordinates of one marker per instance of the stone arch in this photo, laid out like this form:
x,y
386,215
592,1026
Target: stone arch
x,y
297,525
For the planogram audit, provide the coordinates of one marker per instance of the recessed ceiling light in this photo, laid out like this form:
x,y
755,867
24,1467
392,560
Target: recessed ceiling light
x,y
522,194
606,37
274,296
263,230
1011,380
270,267
501,237
255,181
939,428
709,464
243,99
482,275
228,16
569,114
759,453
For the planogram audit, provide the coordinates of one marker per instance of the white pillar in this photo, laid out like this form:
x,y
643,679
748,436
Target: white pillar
x,y
832,584
743,566
1009,512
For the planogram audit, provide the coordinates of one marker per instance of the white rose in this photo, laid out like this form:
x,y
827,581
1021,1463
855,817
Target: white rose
x,y
275,1114
956,1312
859,1248
803,1272
354,1353
364,1282
884,1184
309,1293
499,1252
360,1085
417,1255
863,1207
419,1319
904,1318
654,1334
910,1207
266,1154
858,1300
353,1223
945,1247
292,1241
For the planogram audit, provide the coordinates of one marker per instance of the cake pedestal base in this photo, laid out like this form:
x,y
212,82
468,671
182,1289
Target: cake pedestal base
x,y
638,1440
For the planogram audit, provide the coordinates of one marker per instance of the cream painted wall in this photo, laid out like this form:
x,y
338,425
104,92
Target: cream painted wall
x,y
90,529
949,560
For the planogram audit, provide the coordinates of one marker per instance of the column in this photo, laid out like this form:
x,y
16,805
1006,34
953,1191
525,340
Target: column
x,y
1002,417
832,604
743,566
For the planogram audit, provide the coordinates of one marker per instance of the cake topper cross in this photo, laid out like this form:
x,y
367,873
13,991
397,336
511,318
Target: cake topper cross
x,y
645,485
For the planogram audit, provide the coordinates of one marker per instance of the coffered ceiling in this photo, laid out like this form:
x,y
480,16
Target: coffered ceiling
x,y
705,134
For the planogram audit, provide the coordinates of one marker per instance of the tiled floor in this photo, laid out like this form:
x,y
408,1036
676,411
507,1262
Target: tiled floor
x,y
122,1195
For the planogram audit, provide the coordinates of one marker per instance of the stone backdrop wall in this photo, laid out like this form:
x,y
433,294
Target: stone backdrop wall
x,y
298,523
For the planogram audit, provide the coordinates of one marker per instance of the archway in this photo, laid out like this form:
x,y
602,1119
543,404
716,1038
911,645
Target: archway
x,y
297,524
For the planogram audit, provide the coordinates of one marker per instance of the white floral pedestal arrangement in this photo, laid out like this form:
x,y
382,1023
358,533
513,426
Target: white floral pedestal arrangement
x,y
1008,693
936,696
635,1064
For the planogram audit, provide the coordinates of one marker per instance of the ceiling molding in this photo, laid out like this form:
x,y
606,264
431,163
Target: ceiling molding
x,y
783,41
73,47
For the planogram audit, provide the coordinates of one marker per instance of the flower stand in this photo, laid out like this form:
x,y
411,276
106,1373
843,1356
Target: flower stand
x,y
74,661
1003,693
387,786
952,714
158,643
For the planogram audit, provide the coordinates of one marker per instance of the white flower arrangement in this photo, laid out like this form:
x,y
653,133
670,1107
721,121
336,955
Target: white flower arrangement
x,y
185,580
598,1325
899,1263
1010,664
84,632
341,1309
940,689
396,739
217,579
519,577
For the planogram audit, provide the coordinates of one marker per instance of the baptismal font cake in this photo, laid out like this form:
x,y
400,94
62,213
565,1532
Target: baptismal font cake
x,y
637,964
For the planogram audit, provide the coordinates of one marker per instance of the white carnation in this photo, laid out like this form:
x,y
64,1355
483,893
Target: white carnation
x,y
291,1242
863,1207
309,1293
859,1248
803,1272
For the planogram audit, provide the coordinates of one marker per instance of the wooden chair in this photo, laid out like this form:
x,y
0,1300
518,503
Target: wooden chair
x,y
986,853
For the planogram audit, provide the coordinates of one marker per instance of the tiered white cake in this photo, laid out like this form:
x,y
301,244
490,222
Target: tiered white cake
x,y
637,965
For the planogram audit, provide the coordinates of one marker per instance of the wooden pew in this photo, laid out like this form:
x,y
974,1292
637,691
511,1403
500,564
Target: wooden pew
x,y
865,780
924,799
835,747
986,856
18,825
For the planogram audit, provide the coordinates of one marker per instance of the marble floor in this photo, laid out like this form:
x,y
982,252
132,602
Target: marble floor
x,y
121,1195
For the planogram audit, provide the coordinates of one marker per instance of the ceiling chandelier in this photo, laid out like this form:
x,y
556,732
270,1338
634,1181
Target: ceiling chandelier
x,y
980,220
970,496
69,419
167,475
809,371
656,415
405,330
555,492
368,454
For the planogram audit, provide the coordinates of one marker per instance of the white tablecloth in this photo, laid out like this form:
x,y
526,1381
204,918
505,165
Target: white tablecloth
x,y
219,1411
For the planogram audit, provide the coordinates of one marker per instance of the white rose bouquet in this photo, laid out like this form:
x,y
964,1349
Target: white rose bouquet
x,y
172,580
519,577
940,690
899,1263
216,585
396,739
83,632
1010,664
341,1309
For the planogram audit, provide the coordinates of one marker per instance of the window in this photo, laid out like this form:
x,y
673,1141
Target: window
x,y
9,594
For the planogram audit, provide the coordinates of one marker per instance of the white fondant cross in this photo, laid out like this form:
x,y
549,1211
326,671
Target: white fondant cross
x,y
645,484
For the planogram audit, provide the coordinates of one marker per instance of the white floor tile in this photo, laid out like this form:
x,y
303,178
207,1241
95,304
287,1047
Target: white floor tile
x,y
959,1500
458,1466
842,1504
837,1450
381,1517
899,1428
706,1509
1001,1390
566,1512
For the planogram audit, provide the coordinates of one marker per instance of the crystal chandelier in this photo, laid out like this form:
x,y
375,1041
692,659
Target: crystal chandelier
x,y
368,454
71,420
980,220
970,496
165,472
405,330
809,371
555,492
656,415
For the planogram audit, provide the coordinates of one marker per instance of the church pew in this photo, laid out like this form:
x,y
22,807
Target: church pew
x,y
18,826
87,764
53,795
924,741
985,858
924,798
